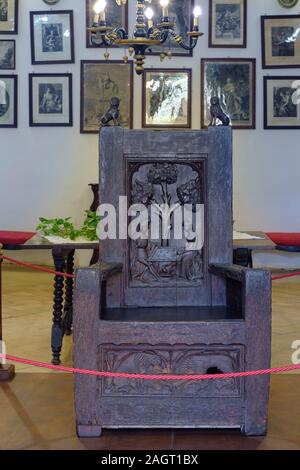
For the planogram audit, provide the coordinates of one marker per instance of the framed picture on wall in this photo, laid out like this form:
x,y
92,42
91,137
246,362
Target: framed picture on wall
x,y
9,16
8,101
228,23
280,41
52,37
100,82
282,102
50,100
181,13
233,81
7,54
115,16
167,98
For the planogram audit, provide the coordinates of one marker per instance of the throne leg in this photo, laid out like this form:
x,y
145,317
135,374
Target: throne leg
x,y
89,431
260,430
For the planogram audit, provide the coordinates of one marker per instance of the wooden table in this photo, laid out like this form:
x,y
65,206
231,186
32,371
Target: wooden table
x,y
63,258
243,249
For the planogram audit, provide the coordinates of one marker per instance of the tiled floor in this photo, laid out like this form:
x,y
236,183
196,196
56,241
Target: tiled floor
x,y
37,407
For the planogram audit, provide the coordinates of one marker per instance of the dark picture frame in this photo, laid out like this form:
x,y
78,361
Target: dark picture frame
x,y
280,100
111,73
44,109
146,105
277,51
7,59
12,123
228,20
115,16
177,9
226,76
14,23
49,45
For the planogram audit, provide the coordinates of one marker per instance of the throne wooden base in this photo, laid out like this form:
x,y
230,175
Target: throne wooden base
x,y
156,308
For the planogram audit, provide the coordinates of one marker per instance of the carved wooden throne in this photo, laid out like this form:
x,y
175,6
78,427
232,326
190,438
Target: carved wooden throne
x,y
156,307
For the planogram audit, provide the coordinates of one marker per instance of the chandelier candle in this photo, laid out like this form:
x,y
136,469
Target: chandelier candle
x,y
99,9
197,13
147,32
165,11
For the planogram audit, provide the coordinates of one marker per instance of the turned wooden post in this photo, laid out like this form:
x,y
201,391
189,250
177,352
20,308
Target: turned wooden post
x,y
7,372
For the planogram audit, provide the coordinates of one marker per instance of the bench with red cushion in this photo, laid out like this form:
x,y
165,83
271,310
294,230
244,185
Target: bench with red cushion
x,y
15,238
285,241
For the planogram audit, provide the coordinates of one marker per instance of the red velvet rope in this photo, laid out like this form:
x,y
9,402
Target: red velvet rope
x,y
71,370
37,268
139,376
72,276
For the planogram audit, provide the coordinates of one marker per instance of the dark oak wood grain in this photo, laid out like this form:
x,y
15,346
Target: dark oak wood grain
x,y
162,320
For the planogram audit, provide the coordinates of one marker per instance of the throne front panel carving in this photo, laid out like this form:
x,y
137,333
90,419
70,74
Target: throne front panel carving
x,y
177,360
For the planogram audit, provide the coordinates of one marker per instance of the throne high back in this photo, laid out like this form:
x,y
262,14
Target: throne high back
x,y
163,304
168,168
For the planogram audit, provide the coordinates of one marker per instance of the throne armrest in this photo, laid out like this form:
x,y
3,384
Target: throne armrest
x,y
248,290
89,294
234,272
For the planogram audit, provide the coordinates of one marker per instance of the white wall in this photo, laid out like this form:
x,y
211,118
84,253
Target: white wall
x,y
46,171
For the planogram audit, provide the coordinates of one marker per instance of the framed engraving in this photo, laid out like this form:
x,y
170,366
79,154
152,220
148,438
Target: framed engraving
x,y
50,100
282,102
167,98
7,54
52,37
8,101
101,81
233,81
228,23
280,41
9,16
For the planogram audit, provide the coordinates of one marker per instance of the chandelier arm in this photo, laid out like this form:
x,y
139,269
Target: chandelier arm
x,y
109,38
160,35
180,41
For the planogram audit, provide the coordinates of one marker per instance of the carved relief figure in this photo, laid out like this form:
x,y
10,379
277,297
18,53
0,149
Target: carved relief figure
x,y
167,187
177,361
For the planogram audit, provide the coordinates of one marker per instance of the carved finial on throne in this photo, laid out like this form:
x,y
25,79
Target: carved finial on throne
x,y
217,113
113,114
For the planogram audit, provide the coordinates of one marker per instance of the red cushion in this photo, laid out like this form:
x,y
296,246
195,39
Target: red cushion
x,y
285,239
15,238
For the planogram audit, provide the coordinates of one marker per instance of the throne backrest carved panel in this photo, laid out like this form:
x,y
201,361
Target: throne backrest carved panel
x,y
165,185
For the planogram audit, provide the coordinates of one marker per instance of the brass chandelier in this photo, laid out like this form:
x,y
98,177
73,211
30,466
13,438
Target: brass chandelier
x,y
145,34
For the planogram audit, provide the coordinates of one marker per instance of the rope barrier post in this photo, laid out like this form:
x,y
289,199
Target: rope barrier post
x,y
7,371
